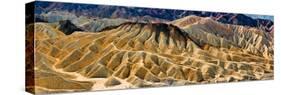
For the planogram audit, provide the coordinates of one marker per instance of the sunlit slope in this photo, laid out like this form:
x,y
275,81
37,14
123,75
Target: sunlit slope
x,y
205,31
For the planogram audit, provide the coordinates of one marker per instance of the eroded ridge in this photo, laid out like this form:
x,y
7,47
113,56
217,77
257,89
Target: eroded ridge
x,y
133,55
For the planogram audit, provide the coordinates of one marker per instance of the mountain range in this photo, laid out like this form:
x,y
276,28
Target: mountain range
x,y
58,11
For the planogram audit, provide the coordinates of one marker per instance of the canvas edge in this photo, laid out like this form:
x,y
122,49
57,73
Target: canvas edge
x,y
29,48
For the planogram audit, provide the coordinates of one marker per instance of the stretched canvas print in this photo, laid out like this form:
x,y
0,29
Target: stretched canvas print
x,y
87,47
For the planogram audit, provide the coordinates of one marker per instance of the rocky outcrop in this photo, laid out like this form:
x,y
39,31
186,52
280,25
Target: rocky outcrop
x,y
112,82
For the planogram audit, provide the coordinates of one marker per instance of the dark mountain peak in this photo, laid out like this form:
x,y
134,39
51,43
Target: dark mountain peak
x,y
160,31
154,27
67,27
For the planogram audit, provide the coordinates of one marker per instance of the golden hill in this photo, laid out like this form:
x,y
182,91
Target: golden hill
x,y
134,55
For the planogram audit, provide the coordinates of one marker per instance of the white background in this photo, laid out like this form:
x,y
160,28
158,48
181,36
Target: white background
x,y
12,46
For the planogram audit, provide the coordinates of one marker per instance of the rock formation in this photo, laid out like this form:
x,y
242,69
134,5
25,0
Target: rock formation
x,y
191,50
